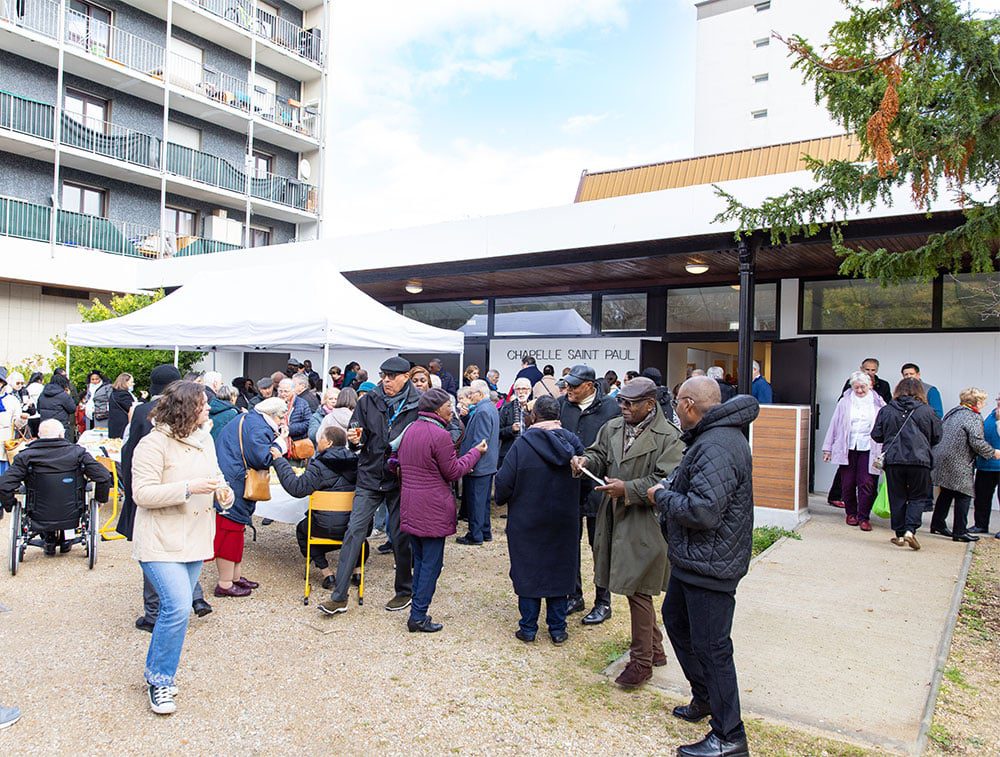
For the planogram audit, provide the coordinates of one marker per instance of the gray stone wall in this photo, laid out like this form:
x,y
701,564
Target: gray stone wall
x,y
126,111
125,202
285,163
134,21
27,78
25,179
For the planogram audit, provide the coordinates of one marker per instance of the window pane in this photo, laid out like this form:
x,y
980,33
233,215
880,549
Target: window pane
x,y
93,202
461,315
971,301
623,312
718,309
862,305
544,316
71,198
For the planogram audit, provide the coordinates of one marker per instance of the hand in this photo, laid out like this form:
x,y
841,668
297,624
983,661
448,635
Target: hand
x,y
577,463
482,447
275,454
515,427
614,487
651,493
354,435
826,456
283,430
996,454
224,496
203,485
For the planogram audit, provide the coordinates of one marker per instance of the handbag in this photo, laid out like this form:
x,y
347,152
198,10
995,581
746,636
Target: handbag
x,y
879,462
300,449
880,506
19,440
257,486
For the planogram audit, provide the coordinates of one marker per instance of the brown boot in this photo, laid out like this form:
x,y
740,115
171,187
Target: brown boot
x,y
634,675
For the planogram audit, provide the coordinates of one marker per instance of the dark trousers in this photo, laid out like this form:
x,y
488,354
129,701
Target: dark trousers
x,y
555,614
857,485
987,483
699,623
647,641
479,490
835,494
318,553
601,595
151,600
909,490
960,520
366,502
428,557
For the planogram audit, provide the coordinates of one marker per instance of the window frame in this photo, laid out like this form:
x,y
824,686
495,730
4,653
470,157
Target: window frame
x,y
84,188
177,210
599,313
258,155
88,98
85,44
258,228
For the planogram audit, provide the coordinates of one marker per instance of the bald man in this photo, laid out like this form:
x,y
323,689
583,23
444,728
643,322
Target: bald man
x,y
706,512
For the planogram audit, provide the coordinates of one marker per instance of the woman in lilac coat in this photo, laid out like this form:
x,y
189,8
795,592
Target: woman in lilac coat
x,y
849,444
428,464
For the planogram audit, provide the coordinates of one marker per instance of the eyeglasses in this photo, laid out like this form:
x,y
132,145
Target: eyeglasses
x,y
677,400
388,374
630,403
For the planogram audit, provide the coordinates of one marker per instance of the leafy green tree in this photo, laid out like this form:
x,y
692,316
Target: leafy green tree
x,y
917,82
113,360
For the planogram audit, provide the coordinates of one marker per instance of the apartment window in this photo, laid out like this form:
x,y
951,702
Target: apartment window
x,y
187,63
259,236
184,223
761,7
184,135
762,42
262,164
623,312
78,198
756,114
760,78
88,26
87,110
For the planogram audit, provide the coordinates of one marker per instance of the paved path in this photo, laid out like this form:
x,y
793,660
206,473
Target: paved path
x,y
841,631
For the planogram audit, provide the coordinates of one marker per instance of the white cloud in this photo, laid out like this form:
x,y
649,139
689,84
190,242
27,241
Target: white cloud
x,y
582,122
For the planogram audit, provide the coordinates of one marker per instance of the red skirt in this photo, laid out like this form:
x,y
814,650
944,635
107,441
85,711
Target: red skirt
x,y
228,539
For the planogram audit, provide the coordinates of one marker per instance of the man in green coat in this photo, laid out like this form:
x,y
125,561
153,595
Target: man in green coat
x,y
632,453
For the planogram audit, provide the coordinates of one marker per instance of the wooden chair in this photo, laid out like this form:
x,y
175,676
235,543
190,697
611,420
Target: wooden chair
x,y
107,531
329,502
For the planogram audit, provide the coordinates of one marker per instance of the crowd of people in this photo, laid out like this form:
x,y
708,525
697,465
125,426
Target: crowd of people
x,y
658,480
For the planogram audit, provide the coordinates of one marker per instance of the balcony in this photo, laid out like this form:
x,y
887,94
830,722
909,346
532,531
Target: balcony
x,y
26,220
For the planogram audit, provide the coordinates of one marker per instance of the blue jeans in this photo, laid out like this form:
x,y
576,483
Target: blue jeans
x,y
479,489
428,557
555,614
174,584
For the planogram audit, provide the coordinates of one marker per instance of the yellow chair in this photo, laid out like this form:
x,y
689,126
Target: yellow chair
x,y
107,531
330,502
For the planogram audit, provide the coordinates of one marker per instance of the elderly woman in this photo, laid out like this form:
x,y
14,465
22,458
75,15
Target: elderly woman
x,y
907,428
849,444
962,441
429,465
420,377
326,406
342,411
543,498
175,481
12,417
243,444
222,409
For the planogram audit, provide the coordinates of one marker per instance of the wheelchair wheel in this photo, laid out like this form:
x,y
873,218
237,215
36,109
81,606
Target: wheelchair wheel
x,y
92,536
15,538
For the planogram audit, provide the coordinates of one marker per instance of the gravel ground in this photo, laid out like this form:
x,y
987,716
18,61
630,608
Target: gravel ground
x,y
266,674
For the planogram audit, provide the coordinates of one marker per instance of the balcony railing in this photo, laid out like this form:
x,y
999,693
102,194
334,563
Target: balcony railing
x,y
283,112
27,220
39,16
111,141
306,43
114,45
26,116
215,85
204,168
284,191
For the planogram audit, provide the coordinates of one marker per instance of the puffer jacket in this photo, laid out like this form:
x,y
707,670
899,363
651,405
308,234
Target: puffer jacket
x,y
962,441
258,436
912,443
298,419
55,402
706,506
335,469
428,465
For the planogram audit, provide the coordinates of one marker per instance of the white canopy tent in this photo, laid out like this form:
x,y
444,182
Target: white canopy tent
x,y
278,308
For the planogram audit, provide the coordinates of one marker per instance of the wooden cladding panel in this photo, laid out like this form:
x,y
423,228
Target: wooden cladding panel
x,y
780,441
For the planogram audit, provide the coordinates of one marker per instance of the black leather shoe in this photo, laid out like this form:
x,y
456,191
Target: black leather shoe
x,y
468,541
144,625
559,638
692,712
598,615
328,582
266,521
964,537
713,746
385,548
201,608
575,604
978,530
943,532
424,626
521,635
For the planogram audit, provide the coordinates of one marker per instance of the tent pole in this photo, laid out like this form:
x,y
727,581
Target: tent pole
x,y
177,355
67,355
213,358
326,365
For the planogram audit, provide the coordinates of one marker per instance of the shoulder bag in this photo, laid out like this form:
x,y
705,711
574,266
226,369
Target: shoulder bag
x,y
879,462
257,487
299,449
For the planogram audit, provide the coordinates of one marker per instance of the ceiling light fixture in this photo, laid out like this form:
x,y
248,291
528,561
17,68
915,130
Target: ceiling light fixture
x,y
477,302
414,287
696,268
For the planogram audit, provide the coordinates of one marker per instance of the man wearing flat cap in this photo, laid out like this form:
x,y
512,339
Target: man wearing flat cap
x,y
381,415
265,387
632,453
584,409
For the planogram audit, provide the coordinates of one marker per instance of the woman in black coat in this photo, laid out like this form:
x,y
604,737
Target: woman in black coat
x,y
56,402
543,498
120,404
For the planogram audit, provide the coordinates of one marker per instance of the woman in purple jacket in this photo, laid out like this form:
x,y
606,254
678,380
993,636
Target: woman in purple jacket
x,y
849,444
428,464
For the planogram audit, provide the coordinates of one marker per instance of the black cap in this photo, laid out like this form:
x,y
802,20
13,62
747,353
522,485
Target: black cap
x,y
579,374
162,375
293,361
395,365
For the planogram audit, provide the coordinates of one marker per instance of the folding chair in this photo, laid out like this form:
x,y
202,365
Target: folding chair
x,y
329,502
107,531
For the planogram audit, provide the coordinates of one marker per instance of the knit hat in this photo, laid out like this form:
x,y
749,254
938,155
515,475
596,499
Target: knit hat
x,y
368,386
432,399
160,376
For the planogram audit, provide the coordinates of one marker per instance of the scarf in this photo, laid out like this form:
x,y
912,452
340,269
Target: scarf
x,y
632,432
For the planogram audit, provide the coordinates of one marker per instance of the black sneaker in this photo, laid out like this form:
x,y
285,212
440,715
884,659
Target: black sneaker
x,y
144,625
385,548
161,699
398,602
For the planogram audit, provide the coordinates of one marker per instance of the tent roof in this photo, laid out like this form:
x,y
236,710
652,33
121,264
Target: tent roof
x,y
278,307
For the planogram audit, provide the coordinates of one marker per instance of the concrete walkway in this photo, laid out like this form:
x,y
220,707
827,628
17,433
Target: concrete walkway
x,y
841,631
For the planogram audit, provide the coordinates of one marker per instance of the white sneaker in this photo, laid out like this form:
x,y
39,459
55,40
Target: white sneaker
x,y
161,699
9,716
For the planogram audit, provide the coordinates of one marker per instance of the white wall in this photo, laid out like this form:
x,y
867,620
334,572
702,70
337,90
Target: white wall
x,y
601,354
29,319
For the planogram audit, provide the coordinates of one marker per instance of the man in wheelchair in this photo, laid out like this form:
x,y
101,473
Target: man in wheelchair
x,y
39,466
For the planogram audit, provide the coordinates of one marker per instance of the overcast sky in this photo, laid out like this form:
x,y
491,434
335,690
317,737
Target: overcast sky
x,y
448,109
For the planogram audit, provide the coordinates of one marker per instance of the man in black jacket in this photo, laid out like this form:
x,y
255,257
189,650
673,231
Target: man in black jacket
x,y
706,508
380,416
583,410
56,402
52,453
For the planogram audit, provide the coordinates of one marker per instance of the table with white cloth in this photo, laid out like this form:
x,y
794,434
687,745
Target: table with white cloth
x,y
97,443
282,506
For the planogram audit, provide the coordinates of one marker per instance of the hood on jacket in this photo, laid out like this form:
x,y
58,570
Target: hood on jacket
x,y
906,403
217,406
552,446
740,411
53,390
338,459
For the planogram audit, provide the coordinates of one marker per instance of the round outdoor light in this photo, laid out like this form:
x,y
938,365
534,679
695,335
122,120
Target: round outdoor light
x,y
696,268
414,287
476,302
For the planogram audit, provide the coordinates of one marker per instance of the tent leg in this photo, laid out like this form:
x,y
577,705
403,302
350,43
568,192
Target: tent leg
x,y
213,358
67,356
326,365
177,355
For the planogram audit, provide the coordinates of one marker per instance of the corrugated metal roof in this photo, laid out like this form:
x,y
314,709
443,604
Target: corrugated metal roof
x,y
708,169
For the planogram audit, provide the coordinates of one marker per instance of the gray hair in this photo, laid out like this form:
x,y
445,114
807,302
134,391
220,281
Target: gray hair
x,y
494,374
522,382
226,393
212,379
481,387
715,372
300,379
273,406
464,391
860,377
756,366
286,383
51,429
